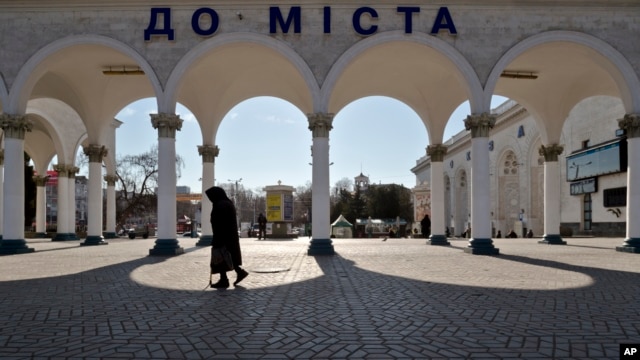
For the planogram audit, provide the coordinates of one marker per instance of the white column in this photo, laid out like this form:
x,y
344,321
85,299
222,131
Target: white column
x,y
62,222
631,124
110,228
436,152
480,242
167,124
73,170
14,127
209,154
41,204
96,154
1,192
552,195
321,244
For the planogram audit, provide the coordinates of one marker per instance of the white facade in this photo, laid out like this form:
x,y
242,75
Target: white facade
x,y
517,171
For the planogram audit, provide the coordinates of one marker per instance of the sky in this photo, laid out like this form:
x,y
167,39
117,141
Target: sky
x,y
265,140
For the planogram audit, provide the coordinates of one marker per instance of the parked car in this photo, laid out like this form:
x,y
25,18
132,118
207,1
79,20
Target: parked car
x,y
142,231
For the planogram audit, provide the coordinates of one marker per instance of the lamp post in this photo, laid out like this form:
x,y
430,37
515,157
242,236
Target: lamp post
x,y
235,200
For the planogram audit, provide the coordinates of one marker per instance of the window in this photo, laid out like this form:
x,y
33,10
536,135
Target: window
x,y
615,197
587,211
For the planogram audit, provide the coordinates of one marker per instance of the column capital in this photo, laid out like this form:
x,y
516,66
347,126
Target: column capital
x,y
95,152
167,124
72,171
480,124
320,124
61,169
111,180
631,124
15,126
40,180
436,152
551,152
208,153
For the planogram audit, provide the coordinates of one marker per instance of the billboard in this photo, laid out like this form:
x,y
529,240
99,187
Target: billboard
x,y
604,159
274,207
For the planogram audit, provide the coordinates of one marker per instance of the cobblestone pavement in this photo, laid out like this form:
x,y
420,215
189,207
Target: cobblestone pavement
x,y
397,299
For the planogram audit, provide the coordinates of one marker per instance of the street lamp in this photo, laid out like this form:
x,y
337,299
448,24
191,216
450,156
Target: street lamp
x,y
235,200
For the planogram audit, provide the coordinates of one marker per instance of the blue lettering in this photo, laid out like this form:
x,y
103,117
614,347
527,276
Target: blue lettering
x,y
275,18
213,17
408,19
356,21
521,131
166,29
327,20
444,21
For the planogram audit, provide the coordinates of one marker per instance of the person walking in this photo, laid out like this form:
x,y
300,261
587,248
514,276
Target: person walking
x,y
225,233
425,224
262,227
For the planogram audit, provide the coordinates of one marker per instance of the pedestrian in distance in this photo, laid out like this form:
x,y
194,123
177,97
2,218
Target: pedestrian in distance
x,y
262,227
512,234
530,233
499,235
425,224
225,233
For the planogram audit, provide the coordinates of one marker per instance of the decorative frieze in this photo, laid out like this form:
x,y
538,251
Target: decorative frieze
x,y
551,152
480,125
320,124
167,124
437,152
208,153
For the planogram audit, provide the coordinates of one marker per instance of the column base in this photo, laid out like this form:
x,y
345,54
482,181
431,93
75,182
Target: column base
x,y
166,247
552,240
481,247
94,240
631,245
40,235
109,235
438,240
12,247
205,240
320,247
65,237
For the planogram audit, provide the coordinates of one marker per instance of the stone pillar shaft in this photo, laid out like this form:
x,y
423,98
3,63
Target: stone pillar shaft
x,y
631,124
110,228
552,195
320,124
96,154
436,153
209,154
41,205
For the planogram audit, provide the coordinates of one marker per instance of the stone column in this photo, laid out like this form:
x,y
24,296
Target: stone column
x,y
321,244
63,233
41,205
480,242
95,153
14,127
209,154
552,194
438,237
110,229
73,170
631,124
167,125
1,191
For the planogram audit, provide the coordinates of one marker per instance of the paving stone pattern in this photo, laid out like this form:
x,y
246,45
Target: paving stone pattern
x,y
398,299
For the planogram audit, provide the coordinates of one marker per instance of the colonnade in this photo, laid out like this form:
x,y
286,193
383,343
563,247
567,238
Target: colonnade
x,y
320,125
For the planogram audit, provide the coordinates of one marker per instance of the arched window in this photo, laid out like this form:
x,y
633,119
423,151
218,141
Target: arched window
x,y
510,164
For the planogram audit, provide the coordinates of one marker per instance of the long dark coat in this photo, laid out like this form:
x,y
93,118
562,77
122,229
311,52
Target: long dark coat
x,y
224,223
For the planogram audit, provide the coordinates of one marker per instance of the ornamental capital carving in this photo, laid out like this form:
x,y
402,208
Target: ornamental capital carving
x,y
61,169
480,124
95,152
208,153
167,124
551,152
111,180
15,126
72,171
630,123
436,152
40,180
320,124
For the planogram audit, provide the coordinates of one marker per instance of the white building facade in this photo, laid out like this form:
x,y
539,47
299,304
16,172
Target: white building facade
x,y
69,67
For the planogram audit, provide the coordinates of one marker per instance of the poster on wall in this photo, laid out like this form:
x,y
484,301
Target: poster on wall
x,y
605,159
288,207
274,207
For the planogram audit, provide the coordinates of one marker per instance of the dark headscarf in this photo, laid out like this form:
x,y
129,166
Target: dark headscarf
x,y
224,222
